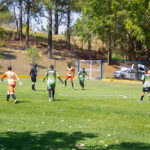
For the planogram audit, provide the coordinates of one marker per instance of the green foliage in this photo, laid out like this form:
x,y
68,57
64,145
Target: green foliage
x,y
2,33
33,53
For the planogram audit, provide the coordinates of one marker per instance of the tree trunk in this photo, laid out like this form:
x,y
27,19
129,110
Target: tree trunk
x,y
20,20
89,44
68,26
28,25
136,71
50,35
56,19
109,52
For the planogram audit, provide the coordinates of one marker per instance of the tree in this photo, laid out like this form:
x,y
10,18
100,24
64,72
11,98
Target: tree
x,y
48,6
72,6
33,7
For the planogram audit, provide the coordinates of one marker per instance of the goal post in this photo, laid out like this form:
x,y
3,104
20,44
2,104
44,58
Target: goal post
x,y
94,68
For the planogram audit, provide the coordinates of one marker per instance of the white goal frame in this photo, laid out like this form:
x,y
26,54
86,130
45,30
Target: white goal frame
x,y
91,69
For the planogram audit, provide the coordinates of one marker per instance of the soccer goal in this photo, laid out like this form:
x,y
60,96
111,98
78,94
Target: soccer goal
x,y
94,68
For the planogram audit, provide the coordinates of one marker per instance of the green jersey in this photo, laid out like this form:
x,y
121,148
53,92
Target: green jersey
x,y
146,80
81,75
51,77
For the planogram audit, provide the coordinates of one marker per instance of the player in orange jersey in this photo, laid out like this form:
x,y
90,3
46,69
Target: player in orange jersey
x,y
70,74
11,78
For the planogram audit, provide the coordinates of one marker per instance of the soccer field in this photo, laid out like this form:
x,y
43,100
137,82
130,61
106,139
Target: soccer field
x,y
104,116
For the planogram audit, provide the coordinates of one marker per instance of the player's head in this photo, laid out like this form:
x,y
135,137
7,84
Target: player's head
x,y
35,65
83,69
146,71
69,65
9,68
52,67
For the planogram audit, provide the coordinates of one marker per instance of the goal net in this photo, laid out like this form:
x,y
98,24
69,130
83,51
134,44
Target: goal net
x,y
92,67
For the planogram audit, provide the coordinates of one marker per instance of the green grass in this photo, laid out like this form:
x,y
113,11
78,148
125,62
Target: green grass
x,y
98,117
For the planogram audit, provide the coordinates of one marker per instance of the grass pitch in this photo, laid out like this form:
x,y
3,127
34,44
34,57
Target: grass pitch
x,y
105,116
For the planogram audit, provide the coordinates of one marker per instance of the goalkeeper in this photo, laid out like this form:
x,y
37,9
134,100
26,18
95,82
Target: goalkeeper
x,y
51,82
81,77
146,85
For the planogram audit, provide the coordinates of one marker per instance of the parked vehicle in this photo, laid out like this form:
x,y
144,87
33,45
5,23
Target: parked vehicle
x,y
129,72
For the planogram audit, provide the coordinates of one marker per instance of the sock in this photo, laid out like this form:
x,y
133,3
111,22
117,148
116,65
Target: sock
x,y
8,96
72,85
65,83
53,93
142,97
33,87
49,93
13,96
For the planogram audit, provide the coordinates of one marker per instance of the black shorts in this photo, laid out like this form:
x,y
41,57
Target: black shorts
x,y
146,89
51,87
33,79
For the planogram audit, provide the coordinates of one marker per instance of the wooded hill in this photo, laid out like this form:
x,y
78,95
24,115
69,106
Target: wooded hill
x,y
123,26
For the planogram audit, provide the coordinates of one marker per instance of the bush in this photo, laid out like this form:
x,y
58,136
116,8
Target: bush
x,y
2,43
33,53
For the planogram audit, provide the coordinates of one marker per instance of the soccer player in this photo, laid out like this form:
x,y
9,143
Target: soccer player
x,y
51,82
81,77
70,74
146,85
33,74
11,77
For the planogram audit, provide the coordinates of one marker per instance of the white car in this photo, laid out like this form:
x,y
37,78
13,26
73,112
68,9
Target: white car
x,y
129,72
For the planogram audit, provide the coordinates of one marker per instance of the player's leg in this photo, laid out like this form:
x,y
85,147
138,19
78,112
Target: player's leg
x,y
66,81
8,96
149,95
49,92
53,92
12,93
71,79
33,83
83,84
142,96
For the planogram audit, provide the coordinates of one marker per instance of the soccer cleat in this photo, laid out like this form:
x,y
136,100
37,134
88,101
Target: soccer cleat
x,y
16,101
72,88
140,101
148,101
6,102
50,99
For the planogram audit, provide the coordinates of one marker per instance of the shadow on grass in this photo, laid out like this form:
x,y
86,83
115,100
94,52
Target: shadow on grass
x,y
24,102
121,146
46,141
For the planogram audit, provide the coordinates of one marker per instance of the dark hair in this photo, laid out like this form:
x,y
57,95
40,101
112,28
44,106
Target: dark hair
x,y
51,66
83,68
69,65
146,70
9,68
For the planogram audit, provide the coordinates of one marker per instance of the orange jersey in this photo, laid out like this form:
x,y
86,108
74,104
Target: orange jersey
x,y
11,77
70,71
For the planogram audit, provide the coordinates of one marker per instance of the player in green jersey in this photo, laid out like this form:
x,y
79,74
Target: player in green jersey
x,y
51,76
146,85
81,77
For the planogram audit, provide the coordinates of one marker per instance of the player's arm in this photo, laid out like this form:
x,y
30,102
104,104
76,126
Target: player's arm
x,y
18,79
45,77
3,76
143,78
79,73
58,76
87,75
